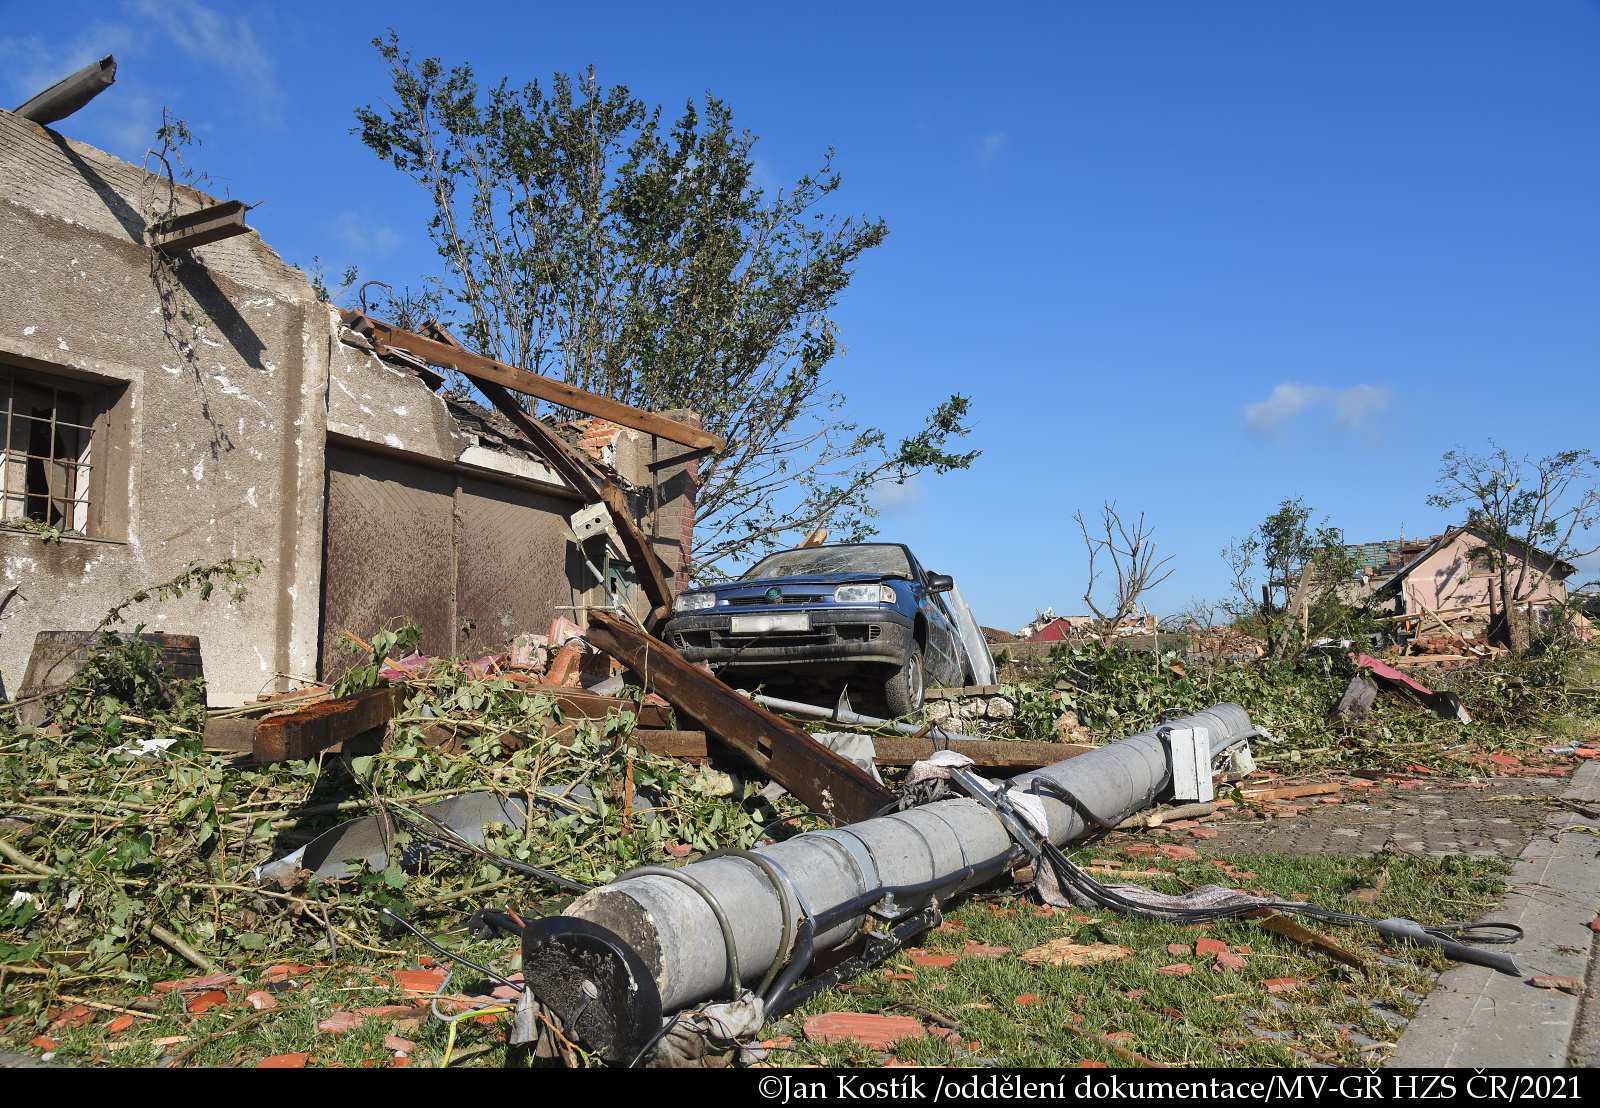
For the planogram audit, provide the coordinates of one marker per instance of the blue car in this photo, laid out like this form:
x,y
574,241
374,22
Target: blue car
x,y
862,615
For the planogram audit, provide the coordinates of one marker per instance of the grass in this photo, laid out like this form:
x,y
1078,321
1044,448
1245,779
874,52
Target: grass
x,y
1208,1018
1211,1017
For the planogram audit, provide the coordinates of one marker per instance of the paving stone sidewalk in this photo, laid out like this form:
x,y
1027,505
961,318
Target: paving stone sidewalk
x,y
1435,817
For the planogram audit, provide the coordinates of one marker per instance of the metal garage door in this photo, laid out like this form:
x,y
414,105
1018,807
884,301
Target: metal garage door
x,y
475,562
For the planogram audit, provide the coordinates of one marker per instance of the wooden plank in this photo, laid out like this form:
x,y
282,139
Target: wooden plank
x,y
310,731
698,746
1291,792
230,735
822,780
577,702
532,384
993,754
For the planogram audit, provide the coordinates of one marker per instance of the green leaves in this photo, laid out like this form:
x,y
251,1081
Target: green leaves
x,y
587,237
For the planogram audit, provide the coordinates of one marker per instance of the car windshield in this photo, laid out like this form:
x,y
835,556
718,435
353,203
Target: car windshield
x,y
884,558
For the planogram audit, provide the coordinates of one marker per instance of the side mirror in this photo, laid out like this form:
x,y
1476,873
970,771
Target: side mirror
x,y
940,582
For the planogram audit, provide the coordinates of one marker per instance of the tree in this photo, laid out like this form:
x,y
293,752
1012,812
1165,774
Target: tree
x,y
1130,556
1303,571
1519,505
584,239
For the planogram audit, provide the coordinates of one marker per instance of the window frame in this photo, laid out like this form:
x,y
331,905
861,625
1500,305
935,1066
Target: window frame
x,y
87,488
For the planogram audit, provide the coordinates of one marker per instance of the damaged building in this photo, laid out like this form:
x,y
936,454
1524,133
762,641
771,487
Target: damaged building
x,y
176,393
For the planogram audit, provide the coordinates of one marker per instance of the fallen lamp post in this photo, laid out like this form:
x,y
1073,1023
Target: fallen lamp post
x,y
657,941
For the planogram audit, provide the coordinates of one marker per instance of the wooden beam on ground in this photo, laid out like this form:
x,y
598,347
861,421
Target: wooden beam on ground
x,y
696,746
985,753
532,384
822,780
310,731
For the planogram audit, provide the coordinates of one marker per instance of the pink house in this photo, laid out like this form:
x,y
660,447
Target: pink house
x,y
1455,576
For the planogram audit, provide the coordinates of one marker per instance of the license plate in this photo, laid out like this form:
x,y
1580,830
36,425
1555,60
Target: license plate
x,y
760,625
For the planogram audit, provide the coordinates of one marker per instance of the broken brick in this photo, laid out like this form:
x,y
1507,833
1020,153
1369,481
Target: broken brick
x,y
1121,1038
419,981
1210,946
283,1062
1228,960
1181,969
261,1000
1202,832
1028,1000
858,1027
196,984
1571,985
75,1016
933,961
121,1023
44,1042
278,974
979,950
1091,1065
1282,984
1181,852
1179,948
216,998
340,1022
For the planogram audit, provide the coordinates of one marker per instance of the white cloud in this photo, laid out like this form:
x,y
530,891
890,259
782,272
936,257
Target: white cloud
x,y
890,497
359,233
990,145
224,39
1352,409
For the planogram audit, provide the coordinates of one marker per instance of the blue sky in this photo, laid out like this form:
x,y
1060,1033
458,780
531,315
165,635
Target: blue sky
x,y
1193,258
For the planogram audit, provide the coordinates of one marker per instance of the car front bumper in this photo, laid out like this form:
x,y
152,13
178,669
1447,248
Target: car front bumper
x,y
856,635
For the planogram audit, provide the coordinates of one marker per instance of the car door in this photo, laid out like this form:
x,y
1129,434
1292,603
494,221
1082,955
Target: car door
x,y
944,662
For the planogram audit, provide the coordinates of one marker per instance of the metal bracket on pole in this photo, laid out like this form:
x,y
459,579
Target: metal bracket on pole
x,y
1189,749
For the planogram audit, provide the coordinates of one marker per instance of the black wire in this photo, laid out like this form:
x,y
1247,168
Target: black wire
x,y
444,837
837,822
452,955
657,1037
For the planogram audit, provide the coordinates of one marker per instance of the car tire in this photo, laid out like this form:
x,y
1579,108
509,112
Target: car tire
x,y
905,688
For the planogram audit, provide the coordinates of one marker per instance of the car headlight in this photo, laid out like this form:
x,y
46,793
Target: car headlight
x,y
864,594
694,601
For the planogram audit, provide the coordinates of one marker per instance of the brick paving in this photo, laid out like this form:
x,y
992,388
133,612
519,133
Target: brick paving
x,y
1427,817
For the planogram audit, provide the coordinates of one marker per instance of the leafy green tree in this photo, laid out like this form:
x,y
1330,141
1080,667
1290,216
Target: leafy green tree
x,y
1289,578
1518,504
586,238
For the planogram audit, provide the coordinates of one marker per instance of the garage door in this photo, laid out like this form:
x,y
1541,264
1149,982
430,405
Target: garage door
x,y
474,562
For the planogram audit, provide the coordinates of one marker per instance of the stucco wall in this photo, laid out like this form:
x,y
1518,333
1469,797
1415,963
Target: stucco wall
x,y
1448,578
220,382
214,375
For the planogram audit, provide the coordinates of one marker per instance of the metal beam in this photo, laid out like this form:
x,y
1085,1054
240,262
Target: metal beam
x,y
532,384
71,93
823,780
185,232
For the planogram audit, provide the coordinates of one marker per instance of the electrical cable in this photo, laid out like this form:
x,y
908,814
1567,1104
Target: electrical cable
x,y
452,955
438,833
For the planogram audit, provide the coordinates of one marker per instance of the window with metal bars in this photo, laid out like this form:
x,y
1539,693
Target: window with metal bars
x,y
45,443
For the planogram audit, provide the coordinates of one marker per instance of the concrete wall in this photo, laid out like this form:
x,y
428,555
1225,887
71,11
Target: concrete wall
x,y
211,374
219,381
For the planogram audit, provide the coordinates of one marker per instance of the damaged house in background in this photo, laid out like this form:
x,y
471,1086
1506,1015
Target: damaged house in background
x,y
174,392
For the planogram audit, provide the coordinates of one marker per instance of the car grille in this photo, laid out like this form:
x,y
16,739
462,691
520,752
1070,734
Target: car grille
x,y
791,598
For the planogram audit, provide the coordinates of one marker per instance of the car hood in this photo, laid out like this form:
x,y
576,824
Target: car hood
x,y
806,579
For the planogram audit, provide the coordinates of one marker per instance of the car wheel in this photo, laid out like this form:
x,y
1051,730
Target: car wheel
x,y
904,690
